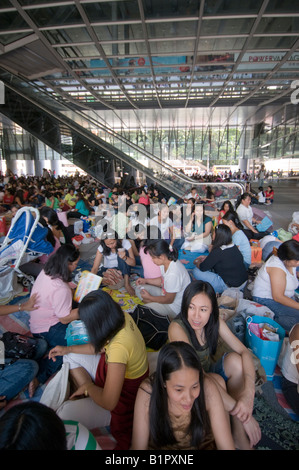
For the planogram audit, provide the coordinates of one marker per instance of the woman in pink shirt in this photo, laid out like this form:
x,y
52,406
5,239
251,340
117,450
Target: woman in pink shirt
x,y
143,197
54,312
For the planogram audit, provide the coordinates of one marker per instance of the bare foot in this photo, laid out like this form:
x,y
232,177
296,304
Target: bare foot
x,y
32,387
130,290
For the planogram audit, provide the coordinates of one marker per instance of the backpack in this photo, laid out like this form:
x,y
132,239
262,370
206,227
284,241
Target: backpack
x,y
152,325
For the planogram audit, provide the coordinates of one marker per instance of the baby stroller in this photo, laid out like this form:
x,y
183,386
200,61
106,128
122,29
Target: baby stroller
x,y
24,242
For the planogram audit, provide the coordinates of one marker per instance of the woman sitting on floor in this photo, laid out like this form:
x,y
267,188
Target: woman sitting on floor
x,y
226,207
198,230
117,257
276,282
246,217
224,266
54,312
179,408
164,293
82,208
106,372
199,325
238,236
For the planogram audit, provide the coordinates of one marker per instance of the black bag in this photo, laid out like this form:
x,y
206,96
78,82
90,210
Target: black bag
x,y
18,346
153,326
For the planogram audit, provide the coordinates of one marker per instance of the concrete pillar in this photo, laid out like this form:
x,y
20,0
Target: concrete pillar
x,y
39,165
30,167
13,166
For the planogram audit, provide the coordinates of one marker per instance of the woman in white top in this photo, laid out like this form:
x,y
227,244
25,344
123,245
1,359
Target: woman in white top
x,y
164,294
245,214
276,283
114,258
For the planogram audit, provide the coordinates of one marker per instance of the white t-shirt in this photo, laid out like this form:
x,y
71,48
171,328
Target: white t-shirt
x,y
164,226
194,196
110,261
262,284
261,197
245,213
175,279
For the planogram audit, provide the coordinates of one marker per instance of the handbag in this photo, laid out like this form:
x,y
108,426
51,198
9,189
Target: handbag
x,y
18,346
152,325
284,235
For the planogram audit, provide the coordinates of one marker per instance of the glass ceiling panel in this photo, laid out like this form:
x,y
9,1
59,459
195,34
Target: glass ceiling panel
x,y
226,26
6,39
172,29
125,49
224,44
170,9
62,36
225,7
278,6
282,25
82,51
12,20
168,47
119,32
112,11
53,16
272,42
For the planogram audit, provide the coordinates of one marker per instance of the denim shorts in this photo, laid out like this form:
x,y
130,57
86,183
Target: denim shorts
x,y
218,367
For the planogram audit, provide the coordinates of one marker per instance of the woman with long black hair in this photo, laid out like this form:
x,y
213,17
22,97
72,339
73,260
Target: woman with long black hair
x,y
54,312
199,325
179,408
108,370
224,266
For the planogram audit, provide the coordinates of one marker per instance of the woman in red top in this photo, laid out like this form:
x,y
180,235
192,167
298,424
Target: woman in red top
x,y
269,195
143,197
8,198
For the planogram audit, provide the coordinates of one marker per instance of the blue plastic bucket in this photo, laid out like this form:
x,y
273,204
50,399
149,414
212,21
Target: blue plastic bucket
x,y
267,351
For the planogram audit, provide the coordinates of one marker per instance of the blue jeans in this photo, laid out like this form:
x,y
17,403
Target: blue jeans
x,y
55,336
16,376
214,279
283,315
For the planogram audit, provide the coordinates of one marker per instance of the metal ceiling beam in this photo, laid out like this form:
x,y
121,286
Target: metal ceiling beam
x,y
42,38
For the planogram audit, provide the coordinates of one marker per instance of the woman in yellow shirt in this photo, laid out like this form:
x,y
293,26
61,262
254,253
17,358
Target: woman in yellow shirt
x,y
110,374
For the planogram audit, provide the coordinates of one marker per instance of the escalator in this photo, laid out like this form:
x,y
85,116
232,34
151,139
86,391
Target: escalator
x,y
93,147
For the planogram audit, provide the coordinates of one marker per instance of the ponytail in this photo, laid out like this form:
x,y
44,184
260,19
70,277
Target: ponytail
x,y
161,247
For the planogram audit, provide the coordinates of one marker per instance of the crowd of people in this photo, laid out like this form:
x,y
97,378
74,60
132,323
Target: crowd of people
x,y
206,403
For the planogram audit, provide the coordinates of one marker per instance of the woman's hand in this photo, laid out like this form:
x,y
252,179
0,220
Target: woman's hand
x,y
146,296
253,431
199,260
58,351
243,408
140,281
81,391
30,304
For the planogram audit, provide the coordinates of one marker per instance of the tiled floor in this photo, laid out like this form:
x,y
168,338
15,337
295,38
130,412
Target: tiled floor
x,y
286,201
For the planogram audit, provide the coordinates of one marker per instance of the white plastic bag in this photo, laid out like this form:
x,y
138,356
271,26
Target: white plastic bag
x,y
58,389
